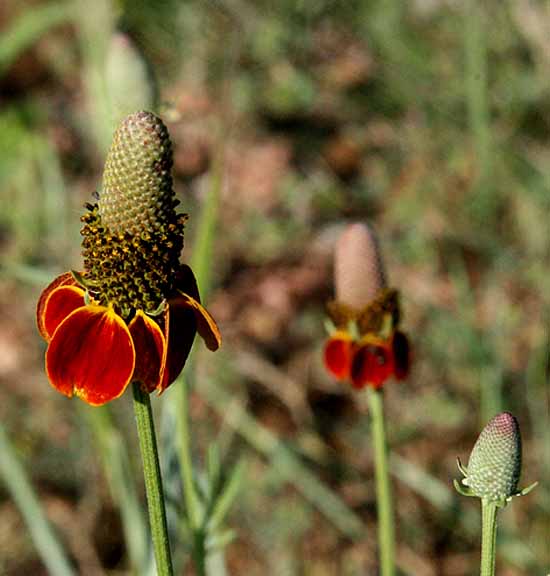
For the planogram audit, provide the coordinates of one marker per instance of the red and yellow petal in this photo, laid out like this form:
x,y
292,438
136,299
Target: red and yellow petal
x,y
91,355
187,291
151,351
65,279
180,328
206,325
372,365
59,304
338,355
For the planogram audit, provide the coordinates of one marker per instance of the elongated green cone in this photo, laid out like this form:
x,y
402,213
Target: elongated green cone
x,y
133,237
137,192
494,467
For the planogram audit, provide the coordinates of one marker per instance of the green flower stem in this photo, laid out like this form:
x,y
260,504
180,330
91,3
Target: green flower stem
x,y
386,531
153,480
488,537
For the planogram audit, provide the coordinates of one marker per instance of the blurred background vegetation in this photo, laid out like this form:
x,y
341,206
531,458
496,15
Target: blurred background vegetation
x,y
428,119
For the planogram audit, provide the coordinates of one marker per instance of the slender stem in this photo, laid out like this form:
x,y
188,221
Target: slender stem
x,y
386,530
199,553
153,480
488,537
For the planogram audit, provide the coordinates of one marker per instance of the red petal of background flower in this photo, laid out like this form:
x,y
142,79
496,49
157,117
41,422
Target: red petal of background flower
x,y
91,355
64,279
401,355
60,303
371,365
150,347
337,356
180,328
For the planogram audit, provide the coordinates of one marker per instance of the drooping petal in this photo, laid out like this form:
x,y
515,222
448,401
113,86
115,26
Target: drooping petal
x,y
184,316
338,355
66,279
180,328
206,325
186,282
151,350
91,355
372,364
401,355
186,288
60,303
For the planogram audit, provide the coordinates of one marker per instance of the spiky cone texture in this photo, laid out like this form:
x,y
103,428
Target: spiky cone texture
x,y
134,226
359,273
494,467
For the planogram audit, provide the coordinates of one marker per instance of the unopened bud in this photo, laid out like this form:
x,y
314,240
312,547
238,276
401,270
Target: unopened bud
x,y
130,83
358,269
494,467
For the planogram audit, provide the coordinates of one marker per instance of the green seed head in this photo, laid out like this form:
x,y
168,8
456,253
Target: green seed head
x,y
137,193
495,462
133,236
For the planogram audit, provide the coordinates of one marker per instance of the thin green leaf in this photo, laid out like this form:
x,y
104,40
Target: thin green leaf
x,y
227,496
24,496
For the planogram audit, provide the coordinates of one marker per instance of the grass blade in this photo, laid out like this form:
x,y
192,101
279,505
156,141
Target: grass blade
x,y
26,30
40,529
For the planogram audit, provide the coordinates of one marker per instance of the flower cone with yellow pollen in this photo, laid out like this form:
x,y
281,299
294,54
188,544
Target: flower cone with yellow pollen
x,y
365,345
134,311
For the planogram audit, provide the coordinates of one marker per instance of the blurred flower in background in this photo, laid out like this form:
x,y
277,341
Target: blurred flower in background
x,y
365,344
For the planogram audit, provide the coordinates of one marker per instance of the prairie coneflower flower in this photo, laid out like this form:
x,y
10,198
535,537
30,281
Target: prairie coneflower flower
x,y
133,313
365,344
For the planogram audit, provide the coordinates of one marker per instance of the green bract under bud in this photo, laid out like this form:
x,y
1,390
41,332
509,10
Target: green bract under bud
x,y
133,236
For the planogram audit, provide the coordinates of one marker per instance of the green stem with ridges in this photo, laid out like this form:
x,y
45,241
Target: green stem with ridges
x,y
153,480
488,537
386,530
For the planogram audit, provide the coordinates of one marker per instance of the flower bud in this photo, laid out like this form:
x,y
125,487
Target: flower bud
x,y
129,82
494,467
358,270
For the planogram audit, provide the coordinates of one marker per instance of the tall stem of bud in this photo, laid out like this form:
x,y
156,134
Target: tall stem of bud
x,y
488,537
384,500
